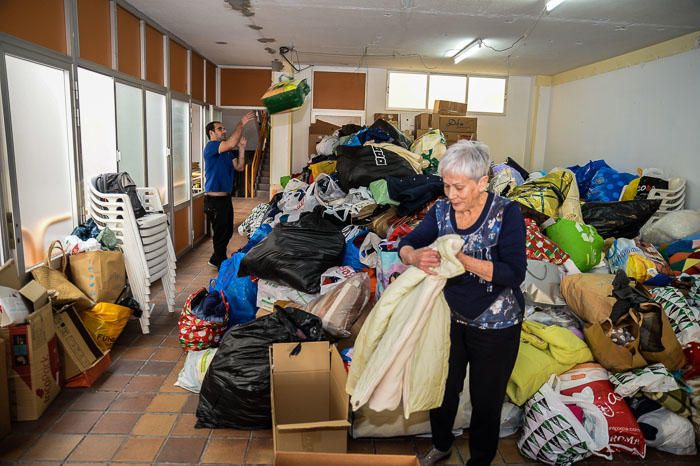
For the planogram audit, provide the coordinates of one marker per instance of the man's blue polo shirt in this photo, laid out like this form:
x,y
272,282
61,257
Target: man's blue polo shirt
x,y
218,169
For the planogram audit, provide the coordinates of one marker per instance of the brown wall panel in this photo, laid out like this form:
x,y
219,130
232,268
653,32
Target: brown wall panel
x,y
244,87
129,42
95,31
339,90
198,220
43,23
178,67
154,56
182,230
211,83
197,76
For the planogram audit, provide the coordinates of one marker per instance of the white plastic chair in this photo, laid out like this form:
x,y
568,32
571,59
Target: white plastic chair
x,y
148,250
672,199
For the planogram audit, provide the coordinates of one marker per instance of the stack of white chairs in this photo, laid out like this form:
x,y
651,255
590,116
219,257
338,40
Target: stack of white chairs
x,y
148,250
672,199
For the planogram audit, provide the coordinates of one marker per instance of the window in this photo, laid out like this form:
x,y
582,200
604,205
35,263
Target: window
x,y
407,90
486,95
132,156
197,148
447,87
157,144
43,154
181,151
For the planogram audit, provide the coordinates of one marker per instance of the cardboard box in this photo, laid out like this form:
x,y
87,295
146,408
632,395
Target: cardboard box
x,y
446,107
80,354
419,132
309,403
451,138
392,118
453,124
5,425
34,364
335,459
89,377
9,276
423,121
317,131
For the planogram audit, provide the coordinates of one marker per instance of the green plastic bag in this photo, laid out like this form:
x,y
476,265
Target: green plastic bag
x,y
380,193
285,96
581,242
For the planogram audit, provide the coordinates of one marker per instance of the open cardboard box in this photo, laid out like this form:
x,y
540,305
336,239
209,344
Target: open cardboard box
x,y
336,459
309,403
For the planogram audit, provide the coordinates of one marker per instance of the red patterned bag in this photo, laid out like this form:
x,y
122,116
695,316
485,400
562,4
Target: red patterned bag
x,y
198,334
541,248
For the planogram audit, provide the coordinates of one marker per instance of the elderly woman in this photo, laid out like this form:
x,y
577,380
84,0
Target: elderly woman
x,y
486,302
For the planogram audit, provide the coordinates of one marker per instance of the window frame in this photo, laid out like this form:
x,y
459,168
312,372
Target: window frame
x,y
505,95
406,109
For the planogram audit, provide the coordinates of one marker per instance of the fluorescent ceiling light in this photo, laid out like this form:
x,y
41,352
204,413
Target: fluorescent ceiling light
x,y
466,51
552,4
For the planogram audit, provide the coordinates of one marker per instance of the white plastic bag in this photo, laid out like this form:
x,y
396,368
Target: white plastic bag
x,y
269,292
334,277
194,370
674,433
553,435
652,379
12,307
670,227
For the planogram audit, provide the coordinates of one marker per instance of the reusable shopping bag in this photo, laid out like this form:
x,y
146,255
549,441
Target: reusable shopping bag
x,y
542,283
545,194
607,184
192,373
101,275
240,292
285,96
541,248
196,332
105,321
61,290
581,242
342,305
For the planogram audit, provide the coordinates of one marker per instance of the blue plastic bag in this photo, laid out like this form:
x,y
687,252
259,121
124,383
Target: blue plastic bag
x,y
240,292
607,185
258,235
585,174
351,254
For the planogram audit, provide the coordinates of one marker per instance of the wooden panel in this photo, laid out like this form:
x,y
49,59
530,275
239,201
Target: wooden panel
x,y
197,76
243,87
154,56
43,23
129,41
182,230
211,83
198,220
344,91
178,67
95,31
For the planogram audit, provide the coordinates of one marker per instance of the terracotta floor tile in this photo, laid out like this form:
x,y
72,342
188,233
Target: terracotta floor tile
x,y
403,446
162,368
126,367
262,433
145,383
167,404
460,452
67,397
172,342
182,450
191,404
154,424
53,447
167,354
184,426
97,448
260,451
93,401
139,449
116,423
41,425
148,340
111,382
132,402
140,353
220,450
508,448
230,433
76,422
14,445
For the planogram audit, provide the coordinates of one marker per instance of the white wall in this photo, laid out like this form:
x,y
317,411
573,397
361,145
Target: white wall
x,y
642,116
506,135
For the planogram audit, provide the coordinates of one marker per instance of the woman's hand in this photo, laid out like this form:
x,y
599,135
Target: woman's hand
x,y
424,258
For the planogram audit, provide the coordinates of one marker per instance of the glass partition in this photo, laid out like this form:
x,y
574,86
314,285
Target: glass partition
x,y
181,151
130,139
157,143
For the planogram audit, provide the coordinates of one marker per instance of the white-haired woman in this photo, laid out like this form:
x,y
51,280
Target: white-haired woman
x,y
486,303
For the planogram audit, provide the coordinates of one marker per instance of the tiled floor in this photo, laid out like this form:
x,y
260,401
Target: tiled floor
x,y
134,414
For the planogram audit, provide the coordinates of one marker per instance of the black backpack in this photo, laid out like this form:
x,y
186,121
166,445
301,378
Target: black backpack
x,y
120,183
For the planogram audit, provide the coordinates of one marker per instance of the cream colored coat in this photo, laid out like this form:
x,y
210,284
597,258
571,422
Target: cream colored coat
x,y
403,349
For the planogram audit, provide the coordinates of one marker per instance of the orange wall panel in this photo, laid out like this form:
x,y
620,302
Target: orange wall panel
x,y
211,83
244,87
43,23
198,220
182,230
129,40
344,91
95,31
197,76
154,56
178,67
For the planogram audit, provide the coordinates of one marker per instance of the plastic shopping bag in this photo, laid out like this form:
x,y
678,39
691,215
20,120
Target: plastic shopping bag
x,y
105,321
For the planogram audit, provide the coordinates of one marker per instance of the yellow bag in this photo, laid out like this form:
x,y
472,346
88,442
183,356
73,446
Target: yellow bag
x,y
638,267
105,321
326,166
630,191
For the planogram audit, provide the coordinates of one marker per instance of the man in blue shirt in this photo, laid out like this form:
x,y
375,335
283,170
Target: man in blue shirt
x,y
219,165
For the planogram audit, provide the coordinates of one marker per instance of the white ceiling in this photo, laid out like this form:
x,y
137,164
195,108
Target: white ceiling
x,y
416,34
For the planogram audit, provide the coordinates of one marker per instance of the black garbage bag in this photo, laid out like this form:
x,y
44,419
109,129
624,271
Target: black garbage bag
x,y
359,166
620,219
236,388
296,253
516,166
87,230
397,137
414,192
120,183
350,128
